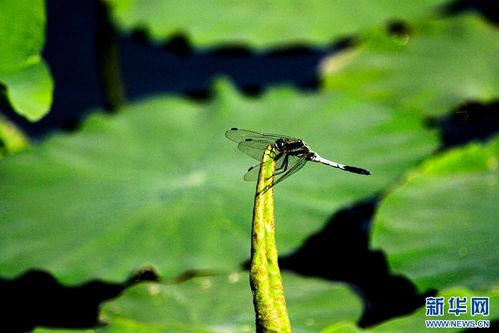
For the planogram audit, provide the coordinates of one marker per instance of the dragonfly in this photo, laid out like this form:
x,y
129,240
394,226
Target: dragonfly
x,y
291,154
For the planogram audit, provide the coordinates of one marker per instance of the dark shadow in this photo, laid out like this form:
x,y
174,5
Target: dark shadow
x,y
398,29
471,121
36,298
340,252
149,69
487,8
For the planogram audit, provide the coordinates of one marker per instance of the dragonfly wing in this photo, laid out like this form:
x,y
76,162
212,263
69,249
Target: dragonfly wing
x,y
254,145
294,164
254,148
238,135
252,174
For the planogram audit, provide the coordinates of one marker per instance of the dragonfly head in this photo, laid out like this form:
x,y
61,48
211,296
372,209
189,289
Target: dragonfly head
x,y
280,144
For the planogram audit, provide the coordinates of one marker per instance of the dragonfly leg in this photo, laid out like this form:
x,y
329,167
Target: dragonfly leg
x,y
283,167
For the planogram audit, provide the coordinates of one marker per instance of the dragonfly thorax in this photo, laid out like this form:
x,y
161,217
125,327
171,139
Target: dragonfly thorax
x,y
293,147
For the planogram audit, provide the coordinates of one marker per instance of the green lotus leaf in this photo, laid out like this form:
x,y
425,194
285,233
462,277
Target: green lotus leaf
x,y
263,24
160,184
224,304
439,227
25,76
414,322
434,68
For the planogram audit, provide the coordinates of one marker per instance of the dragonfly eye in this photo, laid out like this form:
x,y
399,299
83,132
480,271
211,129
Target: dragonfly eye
x,y
280,143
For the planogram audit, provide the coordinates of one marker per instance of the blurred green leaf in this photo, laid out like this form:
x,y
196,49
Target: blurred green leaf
x,y
437,66
69,330
224,304
440,226
416,322
12,139
26,77
160,184
263,24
